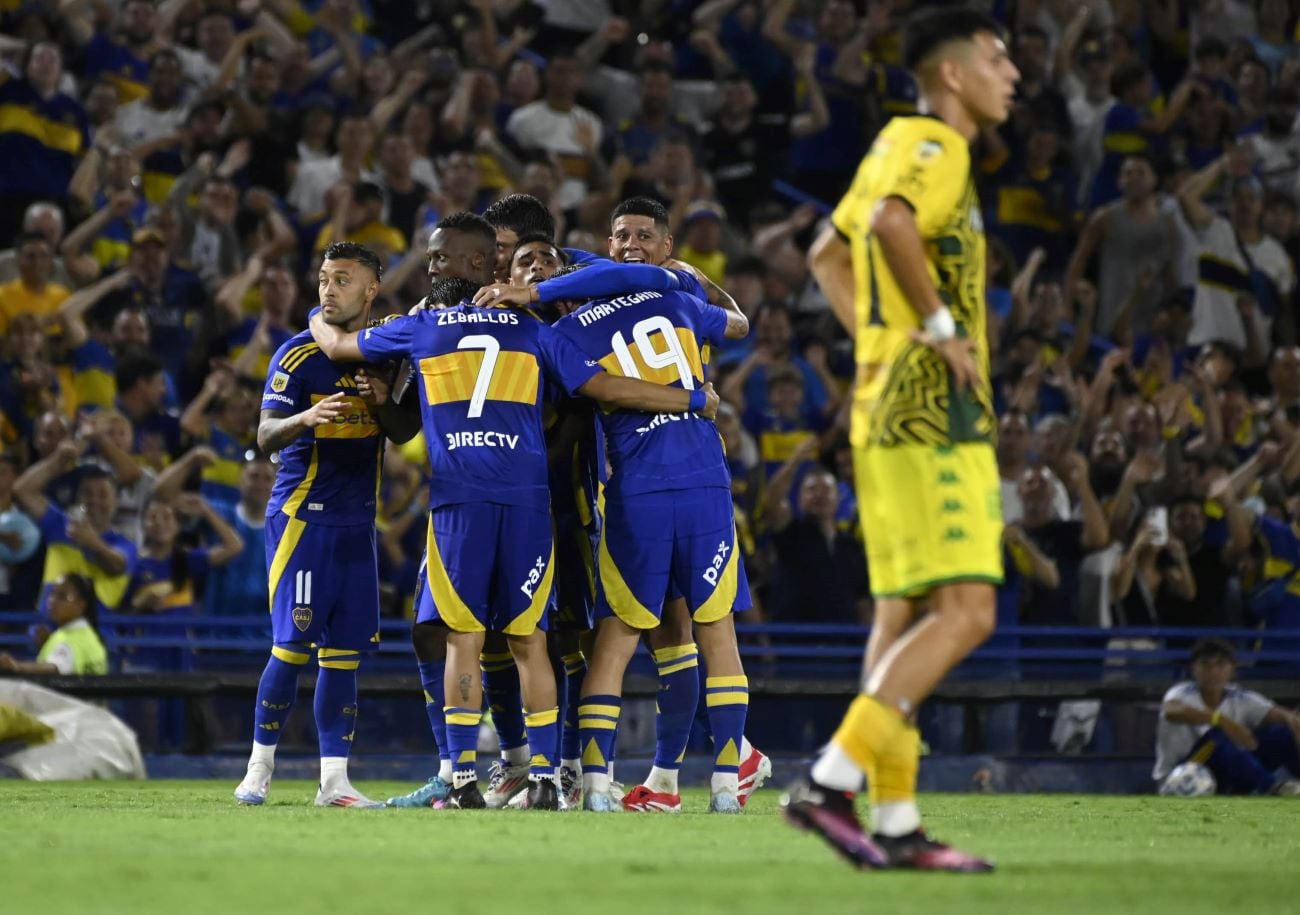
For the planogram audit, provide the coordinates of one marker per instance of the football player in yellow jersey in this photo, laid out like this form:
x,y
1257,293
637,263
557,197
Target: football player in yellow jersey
x,y
903,267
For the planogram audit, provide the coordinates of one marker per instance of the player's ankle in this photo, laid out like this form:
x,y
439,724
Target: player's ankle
x,y
662,781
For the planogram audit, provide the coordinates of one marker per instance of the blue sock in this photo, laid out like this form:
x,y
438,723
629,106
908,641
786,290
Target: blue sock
x,y
501,690
575,671
462,741
597,730
275,694
727,699
435,697
335,701
543,742
679,696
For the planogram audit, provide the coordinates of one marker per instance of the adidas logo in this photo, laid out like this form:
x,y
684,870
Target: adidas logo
x,y
346,382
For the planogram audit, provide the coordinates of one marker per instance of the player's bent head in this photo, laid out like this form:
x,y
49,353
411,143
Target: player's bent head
x,y
535,258
522,214
450,291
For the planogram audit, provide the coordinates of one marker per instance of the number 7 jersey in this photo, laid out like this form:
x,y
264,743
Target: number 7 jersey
x,y
482,376
662,337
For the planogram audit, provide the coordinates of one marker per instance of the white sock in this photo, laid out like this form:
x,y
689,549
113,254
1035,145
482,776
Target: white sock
x,y
725,781
444,770
595,783
333,771
461,779
663,781
263,754
574,765
836,770
516,756
746,748
896,819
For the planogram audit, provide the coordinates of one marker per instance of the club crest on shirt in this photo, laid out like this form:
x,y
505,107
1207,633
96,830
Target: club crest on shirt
x,y
302,618
279,381
928,149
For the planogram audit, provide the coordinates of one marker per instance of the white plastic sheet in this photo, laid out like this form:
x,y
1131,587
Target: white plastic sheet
x,y
91,742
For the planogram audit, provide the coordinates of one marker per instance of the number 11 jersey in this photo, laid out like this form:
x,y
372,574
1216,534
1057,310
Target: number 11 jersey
x,y
662,337
482,381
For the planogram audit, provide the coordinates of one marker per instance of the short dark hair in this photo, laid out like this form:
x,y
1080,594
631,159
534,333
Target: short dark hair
x,y
351,251
533,238
930,29
89,473
451,291
470,224
1212,647
1227,349
1126,76
367,192
522,214
134,369
642,206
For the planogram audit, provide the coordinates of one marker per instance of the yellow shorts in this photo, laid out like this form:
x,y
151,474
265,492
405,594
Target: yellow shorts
x,y
930,516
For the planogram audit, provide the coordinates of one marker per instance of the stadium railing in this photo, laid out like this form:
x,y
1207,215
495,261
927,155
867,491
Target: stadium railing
x,y
783,659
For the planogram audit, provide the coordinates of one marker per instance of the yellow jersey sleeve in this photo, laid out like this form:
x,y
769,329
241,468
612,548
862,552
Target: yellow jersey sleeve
x,y
927,164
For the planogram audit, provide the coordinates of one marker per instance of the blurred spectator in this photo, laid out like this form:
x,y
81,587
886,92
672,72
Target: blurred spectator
x,y
1276,146
141,390
1128,236
38,165
20,541
74,648
224,417
702,238
560,126
355,217
746,387
821,570
353,139
405,195
159,113
122,54
1244,275
240,587
1031,197
80,541
45,219
34,292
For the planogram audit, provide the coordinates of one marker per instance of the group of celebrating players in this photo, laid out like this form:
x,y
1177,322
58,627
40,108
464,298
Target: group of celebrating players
x,y
532,377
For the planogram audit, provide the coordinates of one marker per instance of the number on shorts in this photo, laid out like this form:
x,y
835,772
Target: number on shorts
x,y
491,349
674,355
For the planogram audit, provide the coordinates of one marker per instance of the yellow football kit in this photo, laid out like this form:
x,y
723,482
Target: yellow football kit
x,y
927,481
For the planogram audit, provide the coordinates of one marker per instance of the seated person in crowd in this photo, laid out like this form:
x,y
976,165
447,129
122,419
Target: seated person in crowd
x,y
74,648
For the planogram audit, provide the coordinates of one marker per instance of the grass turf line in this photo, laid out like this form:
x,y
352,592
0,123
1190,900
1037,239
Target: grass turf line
x,y
186,847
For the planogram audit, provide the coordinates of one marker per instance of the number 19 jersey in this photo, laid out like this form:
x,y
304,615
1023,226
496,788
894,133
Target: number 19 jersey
x,y
661,337
482,375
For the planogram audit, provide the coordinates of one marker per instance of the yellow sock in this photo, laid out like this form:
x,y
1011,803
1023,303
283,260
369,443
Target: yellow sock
x,y
869,729
894,778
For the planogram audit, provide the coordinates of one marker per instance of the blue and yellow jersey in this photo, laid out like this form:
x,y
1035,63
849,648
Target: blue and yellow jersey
x,y
112,246
63,557
1122,136
219,481
159,172
577,475
482,374
40,140
238,338
893,86
328,475
119,65
659,337
1281,546
778,439
178,597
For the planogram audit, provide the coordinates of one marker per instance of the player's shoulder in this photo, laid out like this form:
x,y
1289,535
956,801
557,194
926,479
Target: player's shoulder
x,y
1184,691
294,353
923,138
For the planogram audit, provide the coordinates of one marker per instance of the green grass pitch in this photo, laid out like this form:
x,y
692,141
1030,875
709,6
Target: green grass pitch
x,y
185,847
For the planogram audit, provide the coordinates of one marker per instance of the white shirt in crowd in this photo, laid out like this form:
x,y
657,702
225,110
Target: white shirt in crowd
x,y
1089,119
139,122
1013,510
314,179
199,71
1214,310
539,126
1175,741
1278,161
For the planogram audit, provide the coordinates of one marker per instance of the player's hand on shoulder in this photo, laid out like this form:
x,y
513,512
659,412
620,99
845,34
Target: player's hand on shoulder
x,y
499,294
372,388
324,411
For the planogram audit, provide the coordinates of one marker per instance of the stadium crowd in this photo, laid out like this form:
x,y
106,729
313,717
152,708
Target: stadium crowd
x,y
170,173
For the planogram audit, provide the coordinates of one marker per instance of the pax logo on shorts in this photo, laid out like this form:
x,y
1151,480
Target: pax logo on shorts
x,y
534,576
719,560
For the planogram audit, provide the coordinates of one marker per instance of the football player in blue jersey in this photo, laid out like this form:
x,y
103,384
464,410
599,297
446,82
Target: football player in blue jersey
x,y
320,531
483,376
640,240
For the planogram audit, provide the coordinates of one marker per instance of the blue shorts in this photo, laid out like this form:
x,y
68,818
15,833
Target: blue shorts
x,y
487,567
575,574
666,544
324,583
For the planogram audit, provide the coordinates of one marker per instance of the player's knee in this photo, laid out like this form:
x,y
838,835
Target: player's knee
x,y
674,627
969,609
429,642
298,653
